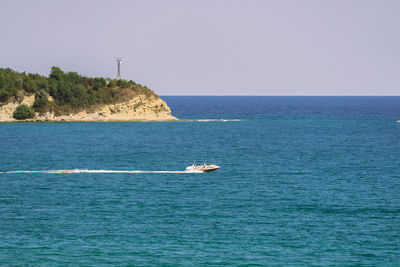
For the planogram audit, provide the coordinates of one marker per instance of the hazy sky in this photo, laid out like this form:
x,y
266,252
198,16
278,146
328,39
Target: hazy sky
x,y
212,47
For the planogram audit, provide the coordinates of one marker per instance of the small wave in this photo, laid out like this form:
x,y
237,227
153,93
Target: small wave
x,y
97,171
213,120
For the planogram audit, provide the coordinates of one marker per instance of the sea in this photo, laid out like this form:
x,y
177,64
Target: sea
x,y
304,181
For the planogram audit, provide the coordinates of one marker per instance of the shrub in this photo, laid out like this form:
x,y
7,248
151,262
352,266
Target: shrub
x,y
29,85
99,83
56,73
123,83
4,94
23,112
41,102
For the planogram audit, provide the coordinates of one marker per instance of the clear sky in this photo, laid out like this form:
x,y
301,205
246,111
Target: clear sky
x,y
212,47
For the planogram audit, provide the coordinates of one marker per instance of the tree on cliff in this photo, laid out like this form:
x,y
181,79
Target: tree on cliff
x,y
56,73
23,112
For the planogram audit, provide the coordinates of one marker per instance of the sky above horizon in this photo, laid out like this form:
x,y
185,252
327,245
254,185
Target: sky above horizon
x,y
212,47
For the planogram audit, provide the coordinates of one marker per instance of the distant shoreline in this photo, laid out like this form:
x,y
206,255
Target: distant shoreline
x,y
72,97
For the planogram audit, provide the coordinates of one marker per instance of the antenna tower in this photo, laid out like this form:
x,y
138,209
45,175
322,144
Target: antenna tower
x,y
119,60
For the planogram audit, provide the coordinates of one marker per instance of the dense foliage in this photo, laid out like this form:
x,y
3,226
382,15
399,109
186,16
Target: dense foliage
x,y
23,112
68,91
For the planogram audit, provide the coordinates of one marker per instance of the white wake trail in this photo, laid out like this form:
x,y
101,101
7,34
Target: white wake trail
x,y
96,171
214,120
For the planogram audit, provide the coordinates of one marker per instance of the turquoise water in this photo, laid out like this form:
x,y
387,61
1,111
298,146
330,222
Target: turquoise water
x,y
303,181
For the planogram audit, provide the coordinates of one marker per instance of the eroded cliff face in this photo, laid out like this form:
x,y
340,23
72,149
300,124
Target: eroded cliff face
x,y
7,109
139,108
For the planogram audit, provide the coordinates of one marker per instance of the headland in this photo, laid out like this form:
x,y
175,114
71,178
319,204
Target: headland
x,y
73,97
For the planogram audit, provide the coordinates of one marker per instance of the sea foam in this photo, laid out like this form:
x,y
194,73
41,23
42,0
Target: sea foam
x,y
214,120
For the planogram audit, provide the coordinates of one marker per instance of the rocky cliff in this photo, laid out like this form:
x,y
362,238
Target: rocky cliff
x,y
138,108
69,96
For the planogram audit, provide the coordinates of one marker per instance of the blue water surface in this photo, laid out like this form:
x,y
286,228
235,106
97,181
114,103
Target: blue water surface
x,y
303,181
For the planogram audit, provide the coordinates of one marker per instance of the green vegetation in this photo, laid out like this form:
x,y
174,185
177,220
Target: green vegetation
x,y
23,112
66,92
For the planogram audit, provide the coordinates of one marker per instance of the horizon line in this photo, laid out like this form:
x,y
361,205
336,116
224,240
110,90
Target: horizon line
x,y
290,95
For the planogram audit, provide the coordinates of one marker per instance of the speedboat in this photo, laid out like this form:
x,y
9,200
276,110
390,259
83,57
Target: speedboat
x,y
202,168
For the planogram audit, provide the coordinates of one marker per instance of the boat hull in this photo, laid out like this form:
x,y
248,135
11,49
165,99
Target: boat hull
x,y
210,170
202,168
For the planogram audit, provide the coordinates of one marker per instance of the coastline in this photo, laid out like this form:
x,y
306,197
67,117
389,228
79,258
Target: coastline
x,y
140,108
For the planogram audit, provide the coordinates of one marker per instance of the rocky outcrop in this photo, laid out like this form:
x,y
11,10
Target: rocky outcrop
x,y
139,108
7,109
